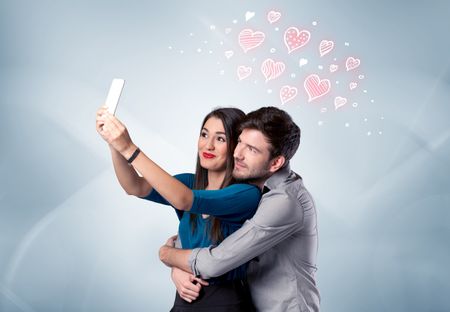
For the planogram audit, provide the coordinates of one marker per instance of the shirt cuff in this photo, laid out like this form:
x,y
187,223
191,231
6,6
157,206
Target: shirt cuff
x,y
193,261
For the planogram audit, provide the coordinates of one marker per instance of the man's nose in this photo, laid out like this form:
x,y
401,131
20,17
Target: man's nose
x,y
238,152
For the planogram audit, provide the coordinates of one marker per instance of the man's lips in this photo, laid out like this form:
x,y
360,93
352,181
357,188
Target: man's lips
x,y
239,165
208,155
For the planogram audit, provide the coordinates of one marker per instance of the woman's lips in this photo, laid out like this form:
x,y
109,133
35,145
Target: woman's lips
x,y
208,155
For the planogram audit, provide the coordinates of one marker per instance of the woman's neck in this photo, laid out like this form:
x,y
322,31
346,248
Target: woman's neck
x,y
215,179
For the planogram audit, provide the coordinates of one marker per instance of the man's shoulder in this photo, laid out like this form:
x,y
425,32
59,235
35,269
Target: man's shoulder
x,y
290,189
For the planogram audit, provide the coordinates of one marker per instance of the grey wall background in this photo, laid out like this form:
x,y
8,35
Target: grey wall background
x,y
71,240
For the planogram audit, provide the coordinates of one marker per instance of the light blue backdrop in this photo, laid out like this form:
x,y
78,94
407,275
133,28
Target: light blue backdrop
x,y
72,240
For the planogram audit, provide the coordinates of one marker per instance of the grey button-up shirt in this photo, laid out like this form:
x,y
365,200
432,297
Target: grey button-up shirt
x,y
282,235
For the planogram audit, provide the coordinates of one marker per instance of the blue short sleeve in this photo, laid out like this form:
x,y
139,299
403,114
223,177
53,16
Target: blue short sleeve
x,y
235,203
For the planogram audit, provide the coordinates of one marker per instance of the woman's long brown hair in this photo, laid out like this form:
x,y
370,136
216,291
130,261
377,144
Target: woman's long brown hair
x,y
230,117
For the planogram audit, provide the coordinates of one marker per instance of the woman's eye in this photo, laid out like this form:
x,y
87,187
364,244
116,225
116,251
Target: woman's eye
x,y
203,134
221,139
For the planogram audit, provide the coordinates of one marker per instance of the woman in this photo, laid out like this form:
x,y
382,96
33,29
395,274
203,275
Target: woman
x,y
209,206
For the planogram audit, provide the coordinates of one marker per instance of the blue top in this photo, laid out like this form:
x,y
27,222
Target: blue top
x,y
232,205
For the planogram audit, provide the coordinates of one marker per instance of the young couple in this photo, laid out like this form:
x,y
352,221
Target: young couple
x,y
247,224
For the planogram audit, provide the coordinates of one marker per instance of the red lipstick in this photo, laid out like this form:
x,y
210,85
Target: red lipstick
x,y
208,155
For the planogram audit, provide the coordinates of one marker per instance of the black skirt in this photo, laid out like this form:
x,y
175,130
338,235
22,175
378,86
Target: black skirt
x,y
232,296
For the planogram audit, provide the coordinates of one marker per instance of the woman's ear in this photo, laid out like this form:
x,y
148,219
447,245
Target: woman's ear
x,y
277,163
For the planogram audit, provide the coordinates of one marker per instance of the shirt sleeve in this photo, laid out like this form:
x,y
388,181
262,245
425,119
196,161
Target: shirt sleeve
x,y
233,203
278,217
185,178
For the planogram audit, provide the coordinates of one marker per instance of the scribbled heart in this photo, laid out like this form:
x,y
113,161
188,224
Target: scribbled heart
x,y
302,62
339,102
229,54
249,15
287,93
352,85
273,16
295,39
272,69
333,68
351,63
325,47
243,72
315,87
249,39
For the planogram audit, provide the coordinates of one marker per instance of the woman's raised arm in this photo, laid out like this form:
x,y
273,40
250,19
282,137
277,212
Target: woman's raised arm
x,y
174,191
128,178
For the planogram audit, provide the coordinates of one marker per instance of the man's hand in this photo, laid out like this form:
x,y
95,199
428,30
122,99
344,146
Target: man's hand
x,y
188,286
171,241
174,257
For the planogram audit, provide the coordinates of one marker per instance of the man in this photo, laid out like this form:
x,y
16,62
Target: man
x,y
281,238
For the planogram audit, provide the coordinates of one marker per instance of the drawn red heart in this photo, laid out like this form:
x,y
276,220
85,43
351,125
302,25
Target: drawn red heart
x,y
249,39
273,16
287,93
272,69
295,39
315,87
325,47
243,72
339,102
351,63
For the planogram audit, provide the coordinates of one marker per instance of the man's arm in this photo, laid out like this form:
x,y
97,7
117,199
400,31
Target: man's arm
x,y
278,217
174,257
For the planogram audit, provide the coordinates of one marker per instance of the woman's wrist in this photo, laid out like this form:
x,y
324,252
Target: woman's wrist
x,y
128,152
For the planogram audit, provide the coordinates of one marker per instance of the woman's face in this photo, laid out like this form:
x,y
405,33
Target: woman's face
x,y
212,145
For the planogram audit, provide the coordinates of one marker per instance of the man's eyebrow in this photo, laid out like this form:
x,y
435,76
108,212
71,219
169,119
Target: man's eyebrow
x,y
254,147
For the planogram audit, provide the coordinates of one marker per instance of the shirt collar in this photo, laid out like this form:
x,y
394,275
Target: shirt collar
x,y
278,177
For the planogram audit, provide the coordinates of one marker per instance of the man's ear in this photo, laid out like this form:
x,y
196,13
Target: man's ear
x,y
277,163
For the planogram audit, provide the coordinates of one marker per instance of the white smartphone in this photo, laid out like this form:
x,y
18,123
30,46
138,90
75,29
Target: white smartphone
x,y
114,95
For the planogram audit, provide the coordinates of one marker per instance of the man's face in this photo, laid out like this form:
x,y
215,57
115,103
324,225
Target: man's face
x,y
252,156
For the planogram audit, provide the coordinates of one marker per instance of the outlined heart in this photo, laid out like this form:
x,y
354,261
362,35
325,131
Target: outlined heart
x,y
272,69
339,102
325,47
352,85
243,72
229,54
287,93
273,16
315,87
351,63
333,68
295,39
249,39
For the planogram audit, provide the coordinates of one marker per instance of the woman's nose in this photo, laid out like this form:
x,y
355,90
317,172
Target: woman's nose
x,y
210,144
